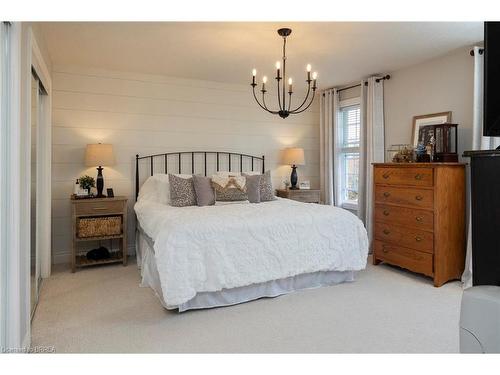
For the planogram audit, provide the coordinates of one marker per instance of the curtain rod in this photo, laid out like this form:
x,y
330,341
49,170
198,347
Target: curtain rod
x,y
387,76
481,50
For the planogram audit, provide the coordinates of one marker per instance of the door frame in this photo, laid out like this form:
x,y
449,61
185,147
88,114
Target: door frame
x,y
15,186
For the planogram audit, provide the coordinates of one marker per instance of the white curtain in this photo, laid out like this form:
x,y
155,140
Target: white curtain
x,y
479,142
329,108
372,146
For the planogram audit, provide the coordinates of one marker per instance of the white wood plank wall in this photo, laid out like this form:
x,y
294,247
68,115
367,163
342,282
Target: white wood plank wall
x,y
145,114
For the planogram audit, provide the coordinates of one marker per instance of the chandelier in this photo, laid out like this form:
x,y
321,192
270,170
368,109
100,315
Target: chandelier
x,y
285,108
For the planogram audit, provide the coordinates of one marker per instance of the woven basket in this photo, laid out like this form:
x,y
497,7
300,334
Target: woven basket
x,y
99,226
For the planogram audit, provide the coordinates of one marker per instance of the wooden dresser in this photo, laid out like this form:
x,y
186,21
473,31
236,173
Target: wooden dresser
x,y
419,218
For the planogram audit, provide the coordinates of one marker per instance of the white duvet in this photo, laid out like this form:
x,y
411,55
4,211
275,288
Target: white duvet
x,y
207,249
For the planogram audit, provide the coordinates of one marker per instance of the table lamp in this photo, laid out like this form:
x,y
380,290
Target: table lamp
x,y
293,157
98,155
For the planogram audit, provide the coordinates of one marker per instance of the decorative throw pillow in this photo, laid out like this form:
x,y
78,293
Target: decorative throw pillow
x,y
229,188
266,187
253,188
205,194
181,191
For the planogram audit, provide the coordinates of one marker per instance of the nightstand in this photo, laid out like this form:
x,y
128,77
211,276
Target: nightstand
x,y
97,219
304,195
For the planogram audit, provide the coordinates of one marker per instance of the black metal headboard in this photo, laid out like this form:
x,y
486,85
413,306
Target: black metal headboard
x,y
195,155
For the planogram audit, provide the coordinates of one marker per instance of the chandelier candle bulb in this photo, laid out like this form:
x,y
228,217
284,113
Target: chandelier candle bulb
x,y
254,73
264,80
278,66
290,85
308,68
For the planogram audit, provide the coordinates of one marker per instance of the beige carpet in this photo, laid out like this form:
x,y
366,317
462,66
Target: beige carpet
x,y
386,310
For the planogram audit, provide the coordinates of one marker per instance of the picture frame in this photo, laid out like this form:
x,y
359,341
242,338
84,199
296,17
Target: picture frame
x,y
110,193
419,123
305,185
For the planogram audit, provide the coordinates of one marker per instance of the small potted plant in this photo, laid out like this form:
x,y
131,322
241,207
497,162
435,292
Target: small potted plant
x,y
86,183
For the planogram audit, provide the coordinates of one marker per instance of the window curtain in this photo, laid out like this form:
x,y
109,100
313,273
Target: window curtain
x,y
372,146
329,108
479,142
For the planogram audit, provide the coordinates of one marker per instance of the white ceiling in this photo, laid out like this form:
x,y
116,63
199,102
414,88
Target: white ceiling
x,y
341,52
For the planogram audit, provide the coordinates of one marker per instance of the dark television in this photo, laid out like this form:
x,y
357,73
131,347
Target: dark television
x,y
491,121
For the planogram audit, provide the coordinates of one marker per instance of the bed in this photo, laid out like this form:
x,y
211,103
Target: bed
x,y
202,257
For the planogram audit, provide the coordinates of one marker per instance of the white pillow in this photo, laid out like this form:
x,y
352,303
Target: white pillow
x,y
157,188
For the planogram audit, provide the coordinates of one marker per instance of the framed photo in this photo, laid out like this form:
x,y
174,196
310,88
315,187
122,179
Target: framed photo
x,y
110,192
421,134
305,185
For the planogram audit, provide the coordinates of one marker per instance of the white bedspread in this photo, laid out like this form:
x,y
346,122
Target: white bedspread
x,y
206,249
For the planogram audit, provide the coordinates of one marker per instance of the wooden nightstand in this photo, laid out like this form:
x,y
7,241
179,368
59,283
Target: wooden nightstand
x,y
305,195
99,219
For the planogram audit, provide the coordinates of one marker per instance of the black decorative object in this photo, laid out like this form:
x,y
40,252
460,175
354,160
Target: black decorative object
x,y
98,254
443,138
203,165
294,156
294,178
110,192
285,109
99,182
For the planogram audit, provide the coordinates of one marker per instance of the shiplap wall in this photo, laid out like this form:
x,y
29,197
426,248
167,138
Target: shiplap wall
x,y
145,114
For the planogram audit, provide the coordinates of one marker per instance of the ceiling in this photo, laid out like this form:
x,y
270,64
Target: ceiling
x,y
341,52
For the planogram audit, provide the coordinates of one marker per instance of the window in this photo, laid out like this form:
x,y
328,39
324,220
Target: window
x,y
349,130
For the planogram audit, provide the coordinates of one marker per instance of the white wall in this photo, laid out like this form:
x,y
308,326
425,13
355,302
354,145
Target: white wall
x,y
438,85
148,114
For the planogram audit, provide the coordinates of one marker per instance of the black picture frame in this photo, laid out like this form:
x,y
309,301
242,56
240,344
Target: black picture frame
x,y
110,193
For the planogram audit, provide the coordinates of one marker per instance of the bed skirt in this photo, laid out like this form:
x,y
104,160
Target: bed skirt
x,y
226,297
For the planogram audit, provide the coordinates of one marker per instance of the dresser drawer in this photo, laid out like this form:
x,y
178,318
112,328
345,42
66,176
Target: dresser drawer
x,y
410,217
97,208
419,198
410,259
404,176
407,237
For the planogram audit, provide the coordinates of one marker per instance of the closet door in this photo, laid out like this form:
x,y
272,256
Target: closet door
x,y
35,274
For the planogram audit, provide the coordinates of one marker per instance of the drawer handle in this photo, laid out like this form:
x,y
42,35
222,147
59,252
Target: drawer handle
x,y
386,231
419,197
418,238
384,250
387,194
385,176
419,218
99,208
386,213
418,176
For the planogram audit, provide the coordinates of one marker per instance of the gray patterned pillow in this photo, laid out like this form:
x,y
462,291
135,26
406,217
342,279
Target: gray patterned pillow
x,y
266,187
181,191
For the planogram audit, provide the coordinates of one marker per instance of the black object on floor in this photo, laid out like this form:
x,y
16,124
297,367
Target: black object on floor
x,y
98,254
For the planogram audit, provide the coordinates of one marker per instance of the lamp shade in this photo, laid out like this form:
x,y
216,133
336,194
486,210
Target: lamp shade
x,y
99,155
294,156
